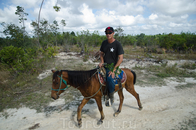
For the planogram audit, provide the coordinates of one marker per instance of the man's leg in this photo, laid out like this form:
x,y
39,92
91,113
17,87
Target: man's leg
x,y
110,86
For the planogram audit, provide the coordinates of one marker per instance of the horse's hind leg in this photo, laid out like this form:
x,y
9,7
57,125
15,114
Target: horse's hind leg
x,y
121,97
135,94
99,104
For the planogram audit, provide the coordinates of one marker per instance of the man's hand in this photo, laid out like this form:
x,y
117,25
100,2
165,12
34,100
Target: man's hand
x,y
112,74
101,64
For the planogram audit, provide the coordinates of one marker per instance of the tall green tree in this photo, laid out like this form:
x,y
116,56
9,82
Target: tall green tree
x,y
22,15
39,21
54,29
119,31
63,24
14,35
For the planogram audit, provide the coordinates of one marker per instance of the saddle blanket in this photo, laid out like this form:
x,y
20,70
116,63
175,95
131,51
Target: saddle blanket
x,y
122,76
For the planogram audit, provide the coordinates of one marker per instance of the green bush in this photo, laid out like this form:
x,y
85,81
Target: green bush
x,y
189,66
17,58
50,51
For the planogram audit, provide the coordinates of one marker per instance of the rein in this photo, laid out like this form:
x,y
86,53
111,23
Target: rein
x,y
62,80
98,69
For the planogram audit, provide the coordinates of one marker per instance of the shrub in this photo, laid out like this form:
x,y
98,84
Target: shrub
x,y
17,58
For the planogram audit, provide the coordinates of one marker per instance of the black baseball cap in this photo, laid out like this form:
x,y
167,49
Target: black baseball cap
x,y
109,30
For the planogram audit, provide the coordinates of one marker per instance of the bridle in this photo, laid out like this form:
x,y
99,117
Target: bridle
x,y
61,80
65,82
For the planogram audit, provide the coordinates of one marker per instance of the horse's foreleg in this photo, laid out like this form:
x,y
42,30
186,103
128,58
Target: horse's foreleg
x,y
99,104
135,94
121,97
79,119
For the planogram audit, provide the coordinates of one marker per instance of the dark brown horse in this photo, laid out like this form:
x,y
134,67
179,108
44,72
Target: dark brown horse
x,y
88,84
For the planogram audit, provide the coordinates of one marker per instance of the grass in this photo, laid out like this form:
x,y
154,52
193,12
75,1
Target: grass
x,y
169,71
154,75
22,89
27,90
132,52
188,85
191,66
150,80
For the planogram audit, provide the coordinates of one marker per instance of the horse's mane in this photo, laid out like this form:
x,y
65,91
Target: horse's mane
x,y
79,78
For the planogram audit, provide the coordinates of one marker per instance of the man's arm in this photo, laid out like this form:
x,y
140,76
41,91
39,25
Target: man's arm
x,y
101,57
120,59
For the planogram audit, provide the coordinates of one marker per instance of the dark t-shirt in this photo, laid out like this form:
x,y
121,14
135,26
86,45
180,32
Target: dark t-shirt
x,y
112,51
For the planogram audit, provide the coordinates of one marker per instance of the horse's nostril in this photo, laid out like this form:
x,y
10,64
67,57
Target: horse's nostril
x,y
53,98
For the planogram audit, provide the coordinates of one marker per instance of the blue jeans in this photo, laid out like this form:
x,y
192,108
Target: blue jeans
x,y
109,82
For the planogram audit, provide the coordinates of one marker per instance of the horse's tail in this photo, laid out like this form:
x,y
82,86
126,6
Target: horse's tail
x,y
134,74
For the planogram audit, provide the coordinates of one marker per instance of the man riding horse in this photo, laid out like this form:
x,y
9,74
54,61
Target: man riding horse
x,y
111,52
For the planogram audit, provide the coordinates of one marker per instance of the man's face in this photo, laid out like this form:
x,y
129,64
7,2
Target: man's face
x,y
109,34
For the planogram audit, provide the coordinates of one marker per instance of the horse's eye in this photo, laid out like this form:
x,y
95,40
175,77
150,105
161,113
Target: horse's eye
x,y
56,83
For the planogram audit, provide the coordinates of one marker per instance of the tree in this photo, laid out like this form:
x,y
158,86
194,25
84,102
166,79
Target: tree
x,y
54,28
63,23
43,31
119,34
39,20
73,33
20,12
14,34
56,8
119,31
140,39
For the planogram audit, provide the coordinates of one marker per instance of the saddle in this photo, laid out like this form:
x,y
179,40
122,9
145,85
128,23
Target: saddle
x,y
102,77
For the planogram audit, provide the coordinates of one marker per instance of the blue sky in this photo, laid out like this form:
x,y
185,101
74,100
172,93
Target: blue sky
x,y
133,16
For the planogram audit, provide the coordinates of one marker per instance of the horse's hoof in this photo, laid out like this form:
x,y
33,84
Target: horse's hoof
x,y
79,125
116,113
99,122
140,108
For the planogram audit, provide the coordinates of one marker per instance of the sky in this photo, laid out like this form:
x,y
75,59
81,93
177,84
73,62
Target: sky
x,y
150,17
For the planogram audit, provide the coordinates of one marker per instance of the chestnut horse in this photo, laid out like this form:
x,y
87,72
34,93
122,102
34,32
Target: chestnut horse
x,y
88,84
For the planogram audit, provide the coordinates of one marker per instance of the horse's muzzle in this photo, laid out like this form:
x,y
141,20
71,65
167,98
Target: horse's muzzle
x,y
55,97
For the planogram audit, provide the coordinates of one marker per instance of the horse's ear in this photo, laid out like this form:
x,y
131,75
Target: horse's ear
x,y
53,71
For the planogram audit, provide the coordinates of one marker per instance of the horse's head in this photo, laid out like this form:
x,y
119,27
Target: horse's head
x,y
59,84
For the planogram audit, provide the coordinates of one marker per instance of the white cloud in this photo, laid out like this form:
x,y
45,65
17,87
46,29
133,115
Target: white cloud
x,y
8,15
175,25
130,8
127,20
26,3
185,16
173,7
134,16
153,17
88,16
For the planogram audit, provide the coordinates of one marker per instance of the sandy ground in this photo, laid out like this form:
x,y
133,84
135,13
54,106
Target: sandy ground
x,y
164,107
